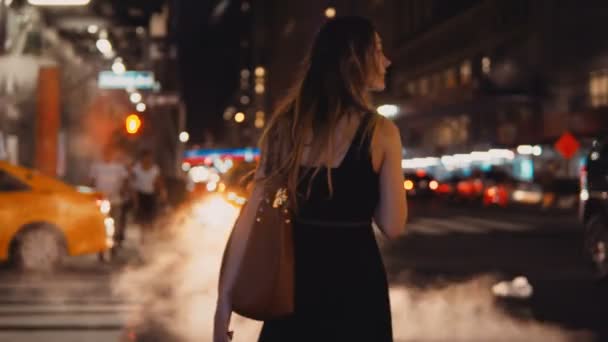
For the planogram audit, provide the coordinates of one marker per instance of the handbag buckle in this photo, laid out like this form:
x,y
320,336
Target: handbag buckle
x,y
280,197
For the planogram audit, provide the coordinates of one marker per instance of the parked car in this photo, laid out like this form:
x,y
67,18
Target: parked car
x,y
447,188
44,219
498,187
470,189
419,184
527,193
593,204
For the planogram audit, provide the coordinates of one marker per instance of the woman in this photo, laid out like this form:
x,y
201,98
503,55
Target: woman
x,y
344,164
148,188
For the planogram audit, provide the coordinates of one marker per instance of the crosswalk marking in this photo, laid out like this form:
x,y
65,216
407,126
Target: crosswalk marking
x,y
17,309
418,227
463,225
454,225
67,303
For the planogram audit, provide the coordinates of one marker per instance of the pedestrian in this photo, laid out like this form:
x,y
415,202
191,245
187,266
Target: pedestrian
x,y
343,162
148,187
110,177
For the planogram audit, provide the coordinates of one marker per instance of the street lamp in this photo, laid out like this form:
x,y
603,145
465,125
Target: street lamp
x,y
118,67
93,29
141,107
330,12
135,97
59,2
184,137
104,46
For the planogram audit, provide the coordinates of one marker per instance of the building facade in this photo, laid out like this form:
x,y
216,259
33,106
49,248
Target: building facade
x,y
473,75
469,75
476,74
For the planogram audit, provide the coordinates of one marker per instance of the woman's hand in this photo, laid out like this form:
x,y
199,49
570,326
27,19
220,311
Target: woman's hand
x,y
221,324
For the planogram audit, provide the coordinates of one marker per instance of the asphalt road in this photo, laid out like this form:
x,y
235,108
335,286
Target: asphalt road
x,y
448,245
441,275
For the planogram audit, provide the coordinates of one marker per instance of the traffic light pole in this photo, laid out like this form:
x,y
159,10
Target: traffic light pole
x,y
181,127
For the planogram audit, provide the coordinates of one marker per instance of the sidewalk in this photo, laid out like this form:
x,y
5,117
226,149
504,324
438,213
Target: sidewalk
x,y
128,252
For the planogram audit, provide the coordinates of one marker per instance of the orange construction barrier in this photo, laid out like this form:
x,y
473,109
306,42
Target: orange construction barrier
x,y
48,120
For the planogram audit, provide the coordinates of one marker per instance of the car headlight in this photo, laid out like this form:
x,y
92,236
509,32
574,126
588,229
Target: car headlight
x,y
108,222
104,206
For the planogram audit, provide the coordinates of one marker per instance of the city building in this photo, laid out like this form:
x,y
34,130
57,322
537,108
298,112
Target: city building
x,y
475,75
55,114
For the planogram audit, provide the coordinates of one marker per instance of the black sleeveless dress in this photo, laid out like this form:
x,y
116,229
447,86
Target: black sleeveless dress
x,y
341,291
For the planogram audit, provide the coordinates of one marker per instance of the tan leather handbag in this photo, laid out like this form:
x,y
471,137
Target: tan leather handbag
x,y
264,286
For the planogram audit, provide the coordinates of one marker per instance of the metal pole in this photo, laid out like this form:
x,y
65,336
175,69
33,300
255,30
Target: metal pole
x,y
181,126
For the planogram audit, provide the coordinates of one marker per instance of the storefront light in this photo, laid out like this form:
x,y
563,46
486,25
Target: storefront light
x,y
525,149
502,153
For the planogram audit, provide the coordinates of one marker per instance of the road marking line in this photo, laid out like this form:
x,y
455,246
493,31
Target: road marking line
x,y
115,319
421,228
451,225
67,309
496,225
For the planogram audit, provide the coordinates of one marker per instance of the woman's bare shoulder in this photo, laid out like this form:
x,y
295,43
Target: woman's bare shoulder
x,y
386,131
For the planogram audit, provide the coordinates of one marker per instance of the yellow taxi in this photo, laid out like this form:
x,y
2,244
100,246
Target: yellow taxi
x,y
43,219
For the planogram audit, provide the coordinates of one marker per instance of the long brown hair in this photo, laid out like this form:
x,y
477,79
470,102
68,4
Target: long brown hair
x,y
333,84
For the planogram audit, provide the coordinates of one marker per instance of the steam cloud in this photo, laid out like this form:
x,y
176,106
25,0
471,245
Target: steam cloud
x,y
178,286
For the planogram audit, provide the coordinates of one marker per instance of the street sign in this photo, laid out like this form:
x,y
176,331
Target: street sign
x,y
126,80
567,145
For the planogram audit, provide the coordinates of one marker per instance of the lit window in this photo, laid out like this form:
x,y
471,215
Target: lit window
x,y
260,71
450,78
259,89
486,65
259,123
598,88
259,119
465,72
239,117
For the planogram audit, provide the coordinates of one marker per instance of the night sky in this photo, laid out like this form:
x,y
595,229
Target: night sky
x,y
209,57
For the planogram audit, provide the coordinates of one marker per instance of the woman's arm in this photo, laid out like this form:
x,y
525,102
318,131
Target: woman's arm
x,y
391,212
